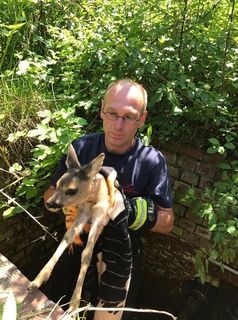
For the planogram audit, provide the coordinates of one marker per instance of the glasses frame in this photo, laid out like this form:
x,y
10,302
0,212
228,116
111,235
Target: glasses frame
x,y
128,121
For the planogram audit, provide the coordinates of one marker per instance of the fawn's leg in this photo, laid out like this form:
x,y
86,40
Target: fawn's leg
x,y
96,229
76,228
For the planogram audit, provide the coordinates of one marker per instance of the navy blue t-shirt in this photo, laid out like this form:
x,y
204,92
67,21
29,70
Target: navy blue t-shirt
x,y
142,171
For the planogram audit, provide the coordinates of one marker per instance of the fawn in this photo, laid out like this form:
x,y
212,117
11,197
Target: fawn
x,y
97,201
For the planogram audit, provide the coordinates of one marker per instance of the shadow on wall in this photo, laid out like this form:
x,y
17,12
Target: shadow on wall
x,y
194,302
207,302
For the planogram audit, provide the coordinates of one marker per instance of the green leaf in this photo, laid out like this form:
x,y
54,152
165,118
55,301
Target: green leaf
x,y
230,145
224,166
2,116
12,137
11,212
13,26
212,150
213,254
173,98
44,113
30,182
231,230
31,193
177,110
15,167
202,274
214,141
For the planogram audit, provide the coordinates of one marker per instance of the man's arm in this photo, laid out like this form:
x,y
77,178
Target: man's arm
x,y
164,216
145,214
165,220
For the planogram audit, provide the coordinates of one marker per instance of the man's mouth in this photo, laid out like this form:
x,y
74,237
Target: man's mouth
x,y
116,136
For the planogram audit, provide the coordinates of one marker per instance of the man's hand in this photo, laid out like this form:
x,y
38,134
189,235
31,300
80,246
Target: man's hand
x,y
165,220
144,214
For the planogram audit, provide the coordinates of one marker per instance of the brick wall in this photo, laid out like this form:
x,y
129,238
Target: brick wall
x,y
24,242
169,258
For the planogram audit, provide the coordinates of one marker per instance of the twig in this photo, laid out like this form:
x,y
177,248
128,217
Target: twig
x,y
90,308
57,305
13,173
11,184
29,214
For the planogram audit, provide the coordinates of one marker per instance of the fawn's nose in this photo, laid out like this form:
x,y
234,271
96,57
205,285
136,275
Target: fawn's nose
x,y
54,205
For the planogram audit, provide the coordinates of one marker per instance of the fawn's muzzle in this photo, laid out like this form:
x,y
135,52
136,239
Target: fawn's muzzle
x,y
54,205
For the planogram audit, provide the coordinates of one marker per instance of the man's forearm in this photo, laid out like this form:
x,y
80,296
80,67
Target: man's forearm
x,y
145,214
165,220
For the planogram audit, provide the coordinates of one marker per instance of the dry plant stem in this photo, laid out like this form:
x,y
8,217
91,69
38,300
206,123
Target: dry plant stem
x,y
29,214
11,184
90,308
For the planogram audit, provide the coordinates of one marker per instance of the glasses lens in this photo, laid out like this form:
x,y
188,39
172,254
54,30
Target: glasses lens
x,y
111,115
129,120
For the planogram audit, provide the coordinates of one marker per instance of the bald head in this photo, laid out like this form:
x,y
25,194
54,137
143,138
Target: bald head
x,y
128,88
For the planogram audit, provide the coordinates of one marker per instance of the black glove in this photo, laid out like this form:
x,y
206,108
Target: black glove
x,y
142,213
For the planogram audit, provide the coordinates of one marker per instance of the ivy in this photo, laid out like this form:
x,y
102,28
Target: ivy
x,y
219,207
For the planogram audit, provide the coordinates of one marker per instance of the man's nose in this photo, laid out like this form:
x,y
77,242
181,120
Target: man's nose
x,y
119,122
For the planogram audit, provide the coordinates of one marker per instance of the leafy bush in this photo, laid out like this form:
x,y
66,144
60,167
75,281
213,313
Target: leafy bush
x,y
218,206
52,136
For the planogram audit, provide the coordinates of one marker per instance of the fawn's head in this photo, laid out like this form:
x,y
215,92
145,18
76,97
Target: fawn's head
x,y
75,185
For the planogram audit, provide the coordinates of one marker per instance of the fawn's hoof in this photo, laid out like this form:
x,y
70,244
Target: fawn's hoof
x,y
32,287
73,307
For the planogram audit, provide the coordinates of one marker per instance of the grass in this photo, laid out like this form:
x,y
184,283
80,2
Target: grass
x,y
19,104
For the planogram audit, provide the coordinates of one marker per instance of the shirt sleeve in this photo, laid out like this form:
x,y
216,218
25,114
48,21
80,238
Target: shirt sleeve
x,y
159,186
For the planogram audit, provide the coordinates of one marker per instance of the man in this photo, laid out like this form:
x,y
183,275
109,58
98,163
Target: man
x,y
142,171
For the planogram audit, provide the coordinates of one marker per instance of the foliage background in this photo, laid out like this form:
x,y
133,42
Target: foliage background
x,y
58,56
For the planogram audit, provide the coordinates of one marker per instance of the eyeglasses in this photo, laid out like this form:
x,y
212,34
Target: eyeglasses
x,y
127,119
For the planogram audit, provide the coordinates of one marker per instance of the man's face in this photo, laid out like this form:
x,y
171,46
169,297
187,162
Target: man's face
x,y
123,100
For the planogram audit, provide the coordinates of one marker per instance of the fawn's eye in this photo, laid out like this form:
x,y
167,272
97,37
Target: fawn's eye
x,y
71,192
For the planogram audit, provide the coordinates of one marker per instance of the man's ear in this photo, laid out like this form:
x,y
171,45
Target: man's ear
x,y
142,119
102,107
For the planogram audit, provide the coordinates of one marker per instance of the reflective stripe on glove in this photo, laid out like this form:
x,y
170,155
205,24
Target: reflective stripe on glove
x,y
142,213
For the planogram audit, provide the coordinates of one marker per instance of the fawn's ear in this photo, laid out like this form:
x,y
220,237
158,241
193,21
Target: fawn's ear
x,y
94,166
72,159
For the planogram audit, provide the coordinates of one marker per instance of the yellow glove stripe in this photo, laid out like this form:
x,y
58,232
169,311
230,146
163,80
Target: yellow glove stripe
x,y
141,215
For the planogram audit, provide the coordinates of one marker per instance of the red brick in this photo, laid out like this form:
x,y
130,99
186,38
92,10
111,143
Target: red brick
x,y
195,153
191,216
170,157
178,231
203,232
213,158
207,170
174,172
179,209
190,178
186,224
205,183
192,238
182,187
187,163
